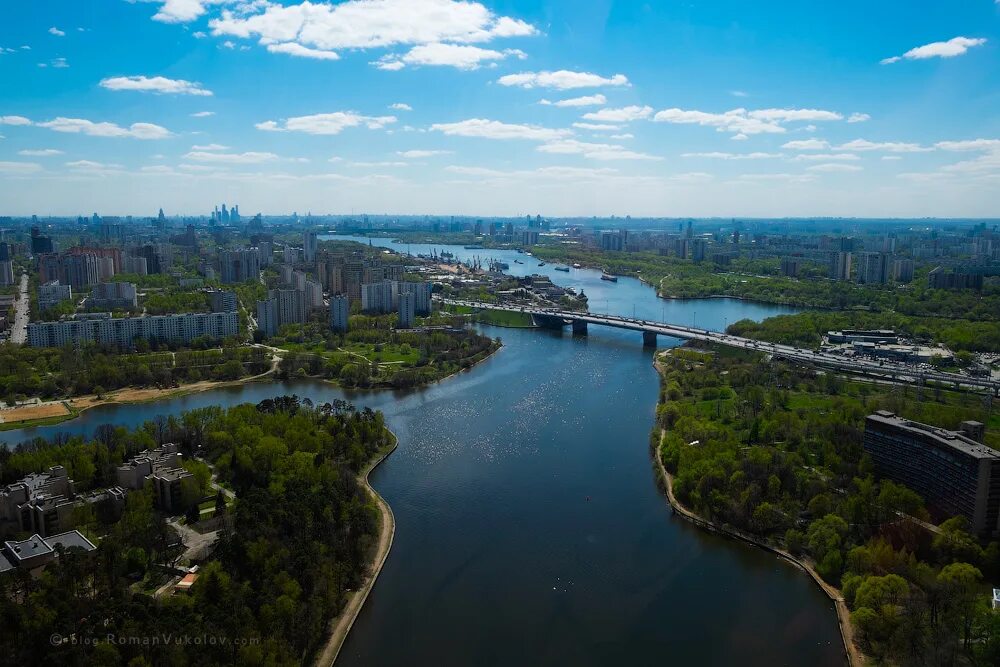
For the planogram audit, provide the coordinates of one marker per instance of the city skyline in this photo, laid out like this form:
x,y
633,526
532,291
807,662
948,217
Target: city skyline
x,y
502,108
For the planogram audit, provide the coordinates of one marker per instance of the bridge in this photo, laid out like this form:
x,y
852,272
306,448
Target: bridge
x,y
882,370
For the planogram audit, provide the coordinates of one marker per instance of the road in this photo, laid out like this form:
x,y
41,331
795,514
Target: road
x,y
897,372
19,332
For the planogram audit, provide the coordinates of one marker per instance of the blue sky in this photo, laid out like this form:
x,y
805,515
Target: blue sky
x,y
696,108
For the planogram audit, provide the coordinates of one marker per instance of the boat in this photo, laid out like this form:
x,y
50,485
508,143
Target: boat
x,y
541,264
517,261
503,265
473,247
576,266
562,268
609,278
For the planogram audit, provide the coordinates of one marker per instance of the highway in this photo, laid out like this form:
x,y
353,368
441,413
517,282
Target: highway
x,y
19,331
885,370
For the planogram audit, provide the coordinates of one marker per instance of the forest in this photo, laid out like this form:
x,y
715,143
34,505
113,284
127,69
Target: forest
x,y
373,354
776,451
298,539
47,373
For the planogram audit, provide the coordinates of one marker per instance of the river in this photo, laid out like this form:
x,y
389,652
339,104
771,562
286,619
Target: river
x,y
529,529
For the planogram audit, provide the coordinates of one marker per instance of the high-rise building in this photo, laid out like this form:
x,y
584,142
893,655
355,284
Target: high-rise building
x,y
309,245
954,473
239,265
406,310
873,268
421,293
790,266
377,297
6,273
340,309
938,279
52,293
902,270
282,306
222,301
840,265
697,250
113,296
314,294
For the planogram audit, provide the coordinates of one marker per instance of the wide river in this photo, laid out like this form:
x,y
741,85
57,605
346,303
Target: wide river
x,y
529,529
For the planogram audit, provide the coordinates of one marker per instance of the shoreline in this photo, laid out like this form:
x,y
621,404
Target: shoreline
x,y
340,626
853,655
77,405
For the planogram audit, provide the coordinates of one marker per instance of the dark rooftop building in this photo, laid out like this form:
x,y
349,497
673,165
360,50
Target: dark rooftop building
x,y
955,474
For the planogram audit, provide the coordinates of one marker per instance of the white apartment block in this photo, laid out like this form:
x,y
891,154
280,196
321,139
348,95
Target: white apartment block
x,y
103,329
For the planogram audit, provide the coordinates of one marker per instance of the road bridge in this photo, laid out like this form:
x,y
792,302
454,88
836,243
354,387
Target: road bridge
x,y
884,370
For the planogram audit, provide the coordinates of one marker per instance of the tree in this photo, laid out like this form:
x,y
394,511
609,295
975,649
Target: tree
x,y
960,582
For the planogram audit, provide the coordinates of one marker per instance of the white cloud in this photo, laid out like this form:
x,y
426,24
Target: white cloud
x,y
459,56
955,46
886,146
59,63
739,137
738,93
593,151
327,123
622,136
622,115
90,165
183,11
14,120
421,153
745,122
90,128
230,158
493,129
734,156
858,117
370,165
43,152
807,145
210,147
155,84
400,106
202,114
561,80
785,178
970,144
827,157
736,121
56,31
896,157
598,127
834,167
432,27
16,168
585,101
295,49
790,115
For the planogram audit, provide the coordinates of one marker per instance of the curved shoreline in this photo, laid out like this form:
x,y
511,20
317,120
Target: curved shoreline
x,y
342,624
88,401
854,656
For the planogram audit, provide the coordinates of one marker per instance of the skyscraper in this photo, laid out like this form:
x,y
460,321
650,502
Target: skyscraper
x,y
309,247
340,308
407,301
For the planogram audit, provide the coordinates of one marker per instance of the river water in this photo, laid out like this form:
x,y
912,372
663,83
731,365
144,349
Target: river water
x,y
529,530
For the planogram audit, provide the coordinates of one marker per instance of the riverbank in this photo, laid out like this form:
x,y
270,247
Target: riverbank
x,y
77,405
341,626
666,481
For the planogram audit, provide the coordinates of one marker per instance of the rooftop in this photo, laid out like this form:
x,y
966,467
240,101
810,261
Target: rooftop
x,y
23,550
942,437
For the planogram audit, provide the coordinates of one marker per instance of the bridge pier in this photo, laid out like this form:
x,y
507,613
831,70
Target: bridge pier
x,y
579,327
548,321
648,339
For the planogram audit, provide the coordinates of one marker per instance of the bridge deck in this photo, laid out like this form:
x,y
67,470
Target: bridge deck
x,y
887,370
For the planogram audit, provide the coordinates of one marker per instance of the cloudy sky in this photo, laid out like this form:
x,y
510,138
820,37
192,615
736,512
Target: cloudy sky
x,y
563,107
